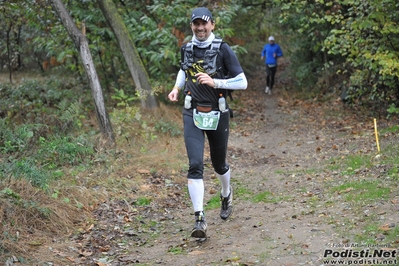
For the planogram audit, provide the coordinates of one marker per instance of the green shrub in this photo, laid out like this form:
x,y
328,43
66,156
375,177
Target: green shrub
x,y
16,138
27,169
167,127
34,99
59,151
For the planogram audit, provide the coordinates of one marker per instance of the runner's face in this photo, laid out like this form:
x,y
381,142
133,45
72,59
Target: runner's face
x,y
202,29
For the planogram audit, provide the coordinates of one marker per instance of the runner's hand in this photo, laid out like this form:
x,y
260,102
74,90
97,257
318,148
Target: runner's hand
x,y
173,95
203,78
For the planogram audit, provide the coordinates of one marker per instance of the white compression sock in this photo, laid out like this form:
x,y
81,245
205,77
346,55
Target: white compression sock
x,y
196,190
225,180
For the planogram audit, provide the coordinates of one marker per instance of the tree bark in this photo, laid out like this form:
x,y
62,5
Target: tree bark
x,y
132,57
8,41
82,45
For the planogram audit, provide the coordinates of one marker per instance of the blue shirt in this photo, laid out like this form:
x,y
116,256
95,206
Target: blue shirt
x,y
269,50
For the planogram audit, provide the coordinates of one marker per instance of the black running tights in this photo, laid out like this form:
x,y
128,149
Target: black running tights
x,y
194,139
270,73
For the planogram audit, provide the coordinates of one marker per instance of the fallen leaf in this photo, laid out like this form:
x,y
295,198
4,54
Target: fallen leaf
x,y
127,219
144,171
349,189
85,253
104,249
386,227
90,227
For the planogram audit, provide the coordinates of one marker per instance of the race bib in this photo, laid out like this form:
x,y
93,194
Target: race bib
x,y
206,121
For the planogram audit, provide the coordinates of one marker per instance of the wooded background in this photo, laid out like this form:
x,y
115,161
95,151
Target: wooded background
x,y
79,76
129,51
353,43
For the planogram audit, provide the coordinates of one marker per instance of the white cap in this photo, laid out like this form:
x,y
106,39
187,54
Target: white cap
x,y
271,38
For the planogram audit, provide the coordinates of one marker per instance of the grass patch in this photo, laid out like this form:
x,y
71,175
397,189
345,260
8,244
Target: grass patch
x,y
268,197
246,194
213,203
239,192
176,250
372,231
143,201
394,173
356,162
362,191
390,158
392,129
280,172
243,192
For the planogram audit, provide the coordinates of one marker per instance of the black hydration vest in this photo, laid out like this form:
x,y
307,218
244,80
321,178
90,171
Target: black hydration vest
x,y
211,64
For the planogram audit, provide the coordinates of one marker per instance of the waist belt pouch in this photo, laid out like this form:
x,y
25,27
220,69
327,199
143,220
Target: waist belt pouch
x,y
204,107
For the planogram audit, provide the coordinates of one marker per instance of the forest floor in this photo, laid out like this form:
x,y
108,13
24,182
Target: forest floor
x,y
289,208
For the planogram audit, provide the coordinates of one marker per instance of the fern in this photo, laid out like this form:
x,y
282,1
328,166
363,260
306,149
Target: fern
x,y
70,114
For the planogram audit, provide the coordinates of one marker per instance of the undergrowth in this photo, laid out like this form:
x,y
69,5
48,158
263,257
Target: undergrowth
x,y
53,169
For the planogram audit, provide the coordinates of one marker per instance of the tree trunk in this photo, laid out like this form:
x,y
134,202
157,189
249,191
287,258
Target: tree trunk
x,y
132,57
9,51
81,44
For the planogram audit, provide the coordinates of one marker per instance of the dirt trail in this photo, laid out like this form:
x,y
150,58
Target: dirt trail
x,y
278,147
266,140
